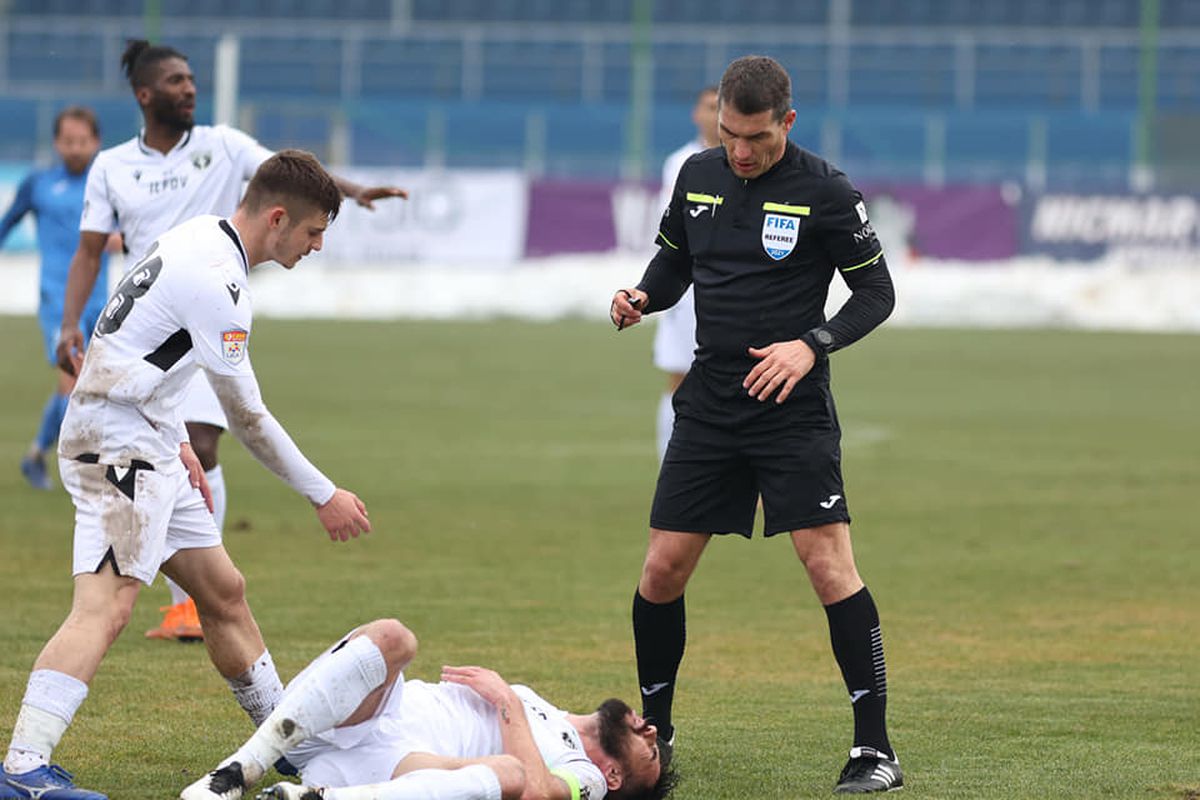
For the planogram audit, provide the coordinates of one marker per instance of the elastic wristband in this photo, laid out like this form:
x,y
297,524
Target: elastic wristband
x,y
570,779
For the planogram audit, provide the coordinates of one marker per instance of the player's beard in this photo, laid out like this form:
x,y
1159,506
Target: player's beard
x,y
168,114
614,727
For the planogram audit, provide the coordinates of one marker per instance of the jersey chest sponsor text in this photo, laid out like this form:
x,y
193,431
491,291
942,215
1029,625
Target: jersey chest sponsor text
x,y
170,183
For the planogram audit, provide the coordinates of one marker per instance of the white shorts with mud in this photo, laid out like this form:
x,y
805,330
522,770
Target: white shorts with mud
x,y
134,516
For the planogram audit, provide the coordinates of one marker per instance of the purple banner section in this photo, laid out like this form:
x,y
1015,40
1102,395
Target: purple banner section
x,y
570,217
971,223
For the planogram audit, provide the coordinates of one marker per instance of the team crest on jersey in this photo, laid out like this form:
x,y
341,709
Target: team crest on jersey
x,y
779,235
233,345
202,160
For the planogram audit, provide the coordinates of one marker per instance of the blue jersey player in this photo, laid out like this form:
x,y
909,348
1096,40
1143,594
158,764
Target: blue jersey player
x,y
55,196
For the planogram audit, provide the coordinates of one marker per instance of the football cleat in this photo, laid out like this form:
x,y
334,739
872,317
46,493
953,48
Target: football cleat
x,y
666,750
44,783
181,623
33,467
290,791
226,782
869,770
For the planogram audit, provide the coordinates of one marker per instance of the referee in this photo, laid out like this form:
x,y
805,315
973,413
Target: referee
x,y
758,227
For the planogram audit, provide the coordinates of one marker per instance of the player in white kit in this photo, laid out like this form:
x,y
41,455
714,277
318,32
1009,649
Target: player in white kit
x,y
675,336
359,731
172,171
141,499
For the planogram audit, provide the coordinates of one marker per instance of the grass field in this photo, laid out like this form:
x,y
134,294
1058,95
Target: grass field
x,y
1025,503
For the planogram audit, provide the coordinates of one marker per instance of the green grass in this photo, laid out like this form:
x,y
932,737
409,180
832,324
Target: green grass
x,y
1025,504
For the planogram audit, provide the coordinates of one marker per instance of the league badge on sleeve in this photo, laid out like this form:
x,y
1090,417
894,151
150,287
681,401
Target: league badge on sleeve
x,y
233,345
779,234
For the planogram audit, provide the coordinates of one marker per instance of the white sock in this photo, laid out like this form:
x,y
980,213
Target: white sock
x,y
51,700
178,595
216,484
476,782
334,687
666,423
258,689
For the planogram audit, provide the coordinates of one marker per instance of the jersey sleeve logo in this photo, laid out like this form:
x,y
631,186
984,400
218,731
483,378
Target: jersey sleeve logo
x,y
233,345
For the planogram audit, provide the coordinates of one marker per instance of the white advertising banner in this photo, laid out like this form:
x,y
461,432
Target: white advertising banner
x,y
474,218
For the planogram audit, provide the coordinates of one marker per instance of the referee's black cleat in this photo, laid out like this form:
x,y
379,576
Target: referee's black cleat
x,y
869,770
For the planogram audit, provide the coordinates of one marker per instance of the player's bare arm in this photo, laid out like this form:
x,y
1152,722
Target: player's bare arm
x,y
366,196
626,308
342,514
515,733
81,278
781,366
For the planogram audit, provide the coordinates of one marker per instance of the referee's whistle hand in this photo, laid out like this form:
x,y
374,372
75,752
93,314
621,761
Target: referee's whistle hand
x,y
626,308
780,367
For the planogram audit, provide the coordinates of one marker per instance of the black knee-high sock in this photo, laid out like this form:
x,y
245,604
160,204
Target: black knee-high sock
x,y
659,633
858,648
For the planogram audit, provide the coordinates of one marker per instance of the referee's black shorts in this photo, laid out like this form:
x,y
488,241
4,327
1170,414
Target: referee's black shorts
x,y
727,449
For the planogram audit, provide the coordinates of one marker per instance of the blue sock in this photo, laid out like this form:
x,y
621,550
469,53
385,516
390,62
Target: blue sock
x,y
52,417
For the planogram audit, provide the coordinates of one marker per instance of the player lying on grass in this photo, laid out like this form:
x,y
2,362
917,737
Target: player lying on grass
x,y
140,495
357,730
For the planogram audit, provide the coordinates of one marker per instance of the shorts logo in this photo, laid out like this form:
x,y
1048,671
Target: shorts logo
x,y
233,345
861,208
779,234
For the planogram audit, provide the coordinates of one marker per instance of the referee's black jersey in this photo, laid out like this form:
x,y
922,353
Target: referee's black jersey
x,y
761,254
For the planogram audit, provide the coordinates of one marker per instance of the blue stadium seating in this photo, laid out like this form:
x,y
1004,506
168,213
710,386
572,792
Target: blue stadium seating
x,y
1119,77
532,71
69,58
291,66
430,68
1028,76
452,69
902,75
1179,77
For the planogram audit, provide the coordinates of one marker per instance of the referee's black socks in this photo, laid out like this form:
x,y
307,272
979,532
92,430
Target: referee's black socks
x,y
858,648
659,633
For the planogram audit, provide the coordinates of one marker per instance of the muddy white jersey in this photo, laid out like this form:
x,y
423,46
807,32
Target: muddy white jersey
x,y
183,306
143,193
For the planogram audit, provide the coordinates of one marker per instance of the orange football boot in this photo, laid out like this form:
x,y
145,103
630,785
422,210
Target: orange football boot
x,y
180,622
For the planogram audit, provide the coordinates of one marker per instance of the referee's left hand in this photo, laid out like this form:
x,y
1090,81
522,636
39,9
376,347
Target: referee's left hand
x,y
781,364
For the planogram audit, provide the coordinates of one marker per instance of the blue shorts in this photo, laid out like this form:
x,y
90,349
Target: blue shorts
x,y
50,321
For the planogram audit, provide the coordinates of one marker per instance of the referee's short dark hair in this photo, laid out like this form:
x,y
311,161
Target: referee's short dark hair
x,y
295,180
754,84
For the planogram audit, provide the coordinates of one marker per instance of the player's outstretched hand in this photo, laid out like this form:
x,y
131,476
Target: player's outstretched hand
x,y
626,308
487,683
69,350
196,476
344,515
781,364
367,196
